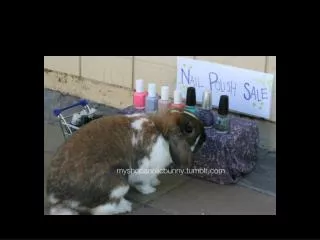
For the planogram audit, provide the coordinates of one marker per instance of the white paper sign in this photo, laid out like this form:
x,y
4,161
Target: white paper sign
x,y
250,92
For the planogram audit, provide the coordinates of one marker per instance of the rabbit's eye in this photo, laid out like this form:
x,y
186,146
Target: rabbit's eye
x,y
188,128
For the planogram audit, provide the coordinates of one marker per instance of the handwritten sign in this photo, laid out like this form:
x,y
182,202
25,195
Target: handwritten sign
x,y
250,92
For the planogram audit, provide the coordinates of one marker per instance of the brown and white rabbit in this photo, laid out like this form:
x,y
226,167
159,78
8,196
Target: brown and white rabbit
x,y
83,176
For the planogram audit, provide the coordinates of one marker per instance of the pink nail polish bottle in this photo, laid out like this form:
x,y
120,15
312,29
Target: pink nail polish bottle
x,y
177,101
139,97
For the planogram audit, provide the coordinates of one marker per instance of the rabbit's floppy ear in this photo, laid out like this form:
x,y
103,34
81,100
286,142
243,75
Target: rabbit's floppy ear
x,y
185,134
186,138
180,151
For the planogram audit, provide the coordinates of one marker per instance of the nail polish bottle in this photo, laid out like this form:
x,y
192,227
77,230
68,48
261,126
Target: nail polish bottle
x,y
183,91
222,122
177,101
205,112
191,100
164,102
152,99
139,97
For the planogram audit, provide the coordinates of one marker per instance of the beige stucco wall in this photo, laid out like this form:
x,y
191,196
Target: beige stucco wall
x,y
109,79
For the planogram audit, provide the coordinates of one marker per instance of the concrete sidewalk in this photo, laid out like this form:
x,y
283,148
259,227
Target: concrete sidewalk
x,y
179,194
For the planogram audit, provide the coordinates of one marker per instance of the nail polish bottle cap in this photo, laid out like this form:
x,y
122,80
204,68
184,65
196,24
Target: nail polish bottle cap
x,y
139,86
152,90
207,100
223,105
191,96
165,93
177,98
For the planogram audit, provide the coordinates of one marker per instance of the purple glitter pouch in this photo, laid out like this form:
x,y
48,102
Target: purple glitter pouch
x,y
225,157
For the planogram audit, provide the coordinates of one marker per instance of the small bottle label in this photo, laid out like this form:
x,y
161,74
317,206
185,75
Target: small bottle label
x,y
222,124
151,105
163,106
139,101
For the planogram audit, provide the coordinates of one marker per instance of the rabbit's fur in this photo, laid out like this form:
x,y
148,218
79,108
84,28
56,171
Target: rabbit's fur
x,y
83,177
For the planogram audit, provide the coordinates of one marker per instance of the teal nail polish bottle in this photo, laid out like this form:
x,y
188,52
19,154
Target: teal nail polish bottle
x,y
222,121
191,100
